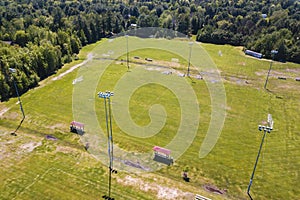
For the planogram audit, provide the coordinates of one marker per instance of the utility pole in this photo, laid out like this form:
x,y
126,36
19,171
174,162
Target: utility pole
x,y
266,129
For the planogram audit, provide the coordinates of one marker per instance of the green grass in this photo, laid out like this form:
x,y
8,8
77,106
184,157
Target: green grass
x,y
63,170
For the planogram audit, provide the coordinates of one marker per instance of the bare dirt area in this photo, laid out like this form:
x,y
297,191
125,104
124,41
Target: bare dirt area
x,y
161,191
57,126
214,189
288,86
169,68
285,79
65,149
29,147
296,71
14,148
3,111
10,115
287,73
237,80
175,65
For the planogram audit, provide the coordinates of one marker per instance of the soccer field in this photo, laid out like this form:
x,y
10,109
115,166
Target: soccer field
x,y
155,94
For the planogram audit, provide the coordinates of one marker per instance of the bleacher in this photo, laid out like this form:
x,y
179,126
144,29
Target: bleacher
x,y
200,197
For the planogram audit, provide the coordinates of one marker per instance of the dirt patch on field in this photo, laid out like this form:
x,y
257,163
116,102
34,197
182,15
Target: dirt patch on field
x,y
242,63
14,148
3,111
29,147
287,73
58,126
214,189
167,64
10,115
162,192
64,149
237,80
296,71
288,86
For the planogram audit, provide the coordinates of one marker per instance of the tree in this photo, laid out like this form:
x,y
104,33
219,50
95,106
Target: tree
x,y
205,34
195,24
4,88
75,44
282,52
183,24
21,38
145,21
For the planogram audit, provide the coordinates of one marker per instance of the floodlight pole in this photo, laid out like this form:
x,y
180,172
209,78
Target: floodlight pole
x,y
127,52
106,96
273,52
12,70
111,135
266,129
190,54
108,146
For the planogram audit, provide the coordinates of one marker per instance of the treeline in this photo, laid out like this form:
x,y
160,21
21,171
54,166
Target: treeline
x,y
39,36
261,26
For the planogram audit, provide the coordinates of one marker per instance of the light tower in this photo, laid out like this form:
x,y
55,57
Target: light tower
x,y
12,70
190,55
273,52
266,129
107,106
127,60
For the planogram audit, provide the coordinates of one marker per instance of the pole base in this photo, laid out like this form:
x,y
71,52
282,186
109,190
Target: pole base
x,y
13,134
107,197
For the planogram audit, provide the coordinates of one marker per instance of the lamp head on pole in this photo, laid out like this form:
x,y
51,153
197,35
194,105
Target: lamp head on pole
x,y
269,127
105,95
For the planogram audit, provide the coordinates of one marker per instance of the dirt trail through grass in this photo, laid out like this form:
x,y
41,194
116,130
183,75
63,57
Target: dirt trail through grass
x,y
3,111
89,58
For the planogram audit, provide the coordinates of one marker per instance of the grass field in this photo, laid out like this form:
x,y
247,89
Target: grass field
x,y
33,167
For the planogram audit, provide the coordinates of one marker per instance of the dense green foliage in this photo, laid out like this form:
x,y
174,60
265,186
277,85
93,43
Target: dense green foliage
x,y
43,35
259,25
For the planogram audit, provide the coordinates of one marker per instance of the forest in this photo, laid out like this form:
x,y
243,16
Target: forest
x,y
37,37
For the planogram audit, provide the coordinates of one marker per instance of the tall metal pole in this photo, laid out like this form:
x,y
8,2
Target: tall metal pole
x,y
111,134
266,129
190,54
273,52
107,106
252,176
127,52
19,99
268,75
108,147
